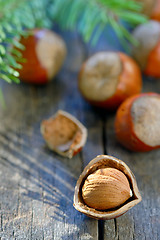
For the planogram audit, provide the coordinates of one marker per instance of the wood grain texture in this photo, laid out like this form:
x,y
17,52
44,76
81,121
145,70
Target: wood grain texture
x,y
37,185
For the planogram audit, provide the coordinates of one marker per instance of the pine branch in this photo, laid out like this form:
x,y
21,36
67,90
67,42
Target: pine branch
x,y
89,17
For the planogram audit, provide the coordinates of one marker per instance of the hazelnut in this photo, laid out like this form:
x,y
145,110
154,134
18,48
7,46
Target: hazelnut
x,y
107,78
64,134
147,52
137,122
44,52
106,188
155,14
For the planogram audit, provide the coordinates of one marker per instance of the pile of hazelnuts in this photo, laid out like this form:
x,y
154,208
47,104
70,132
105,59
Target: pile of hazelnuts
x,y
108,80
113,81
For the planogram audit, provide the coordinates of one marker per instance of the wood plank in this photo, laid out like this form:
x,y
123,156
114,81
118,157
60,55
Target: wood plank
x,y
45,181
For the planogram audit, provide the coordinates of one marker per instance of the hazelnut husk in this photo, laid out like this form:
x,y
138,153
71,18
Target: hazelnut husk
x,y
147,52
106,189
44,55
137,122
107,78
64,134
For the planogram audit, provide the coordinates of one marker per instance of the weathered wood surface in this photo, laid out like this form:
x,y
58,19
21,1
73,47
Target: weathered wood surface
x,y
37,185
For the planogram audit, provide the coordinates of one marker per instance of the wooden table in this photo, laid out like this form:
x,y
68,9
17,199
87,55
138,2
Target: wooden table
x,y
37,185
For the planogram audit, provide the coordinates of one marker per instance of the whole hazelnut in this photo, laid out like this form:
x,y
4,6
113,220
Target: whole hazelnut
x,y
147,52
44,54
107,78
137,122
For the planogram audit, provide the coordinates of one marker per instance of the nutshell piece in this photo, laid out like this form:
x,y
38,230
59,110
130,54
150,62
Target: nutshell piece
x,y
137,123
147,52
44,52
106,189
107,78
64,134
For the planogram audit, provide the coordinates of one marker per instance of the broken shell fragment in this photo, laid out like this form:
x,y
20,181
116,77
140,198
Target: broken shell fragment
x,y
106,189
64,134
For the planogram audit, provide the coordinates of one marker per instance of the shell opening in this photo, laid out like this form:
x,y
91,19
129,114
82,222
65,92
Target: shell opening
x,y
105,189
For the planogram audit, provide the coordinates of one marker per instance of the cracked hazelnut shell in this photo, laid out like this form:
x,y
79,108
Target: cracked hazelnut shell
x,y
107,184
147,52
64,134
44,55
137,122
106,79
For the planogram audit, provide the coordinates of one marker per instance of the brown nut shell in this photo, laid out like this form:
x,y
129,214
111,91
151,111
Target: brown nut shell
x,y
146,53
64,134
106,79
44,53
155,14
137,122
106,161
